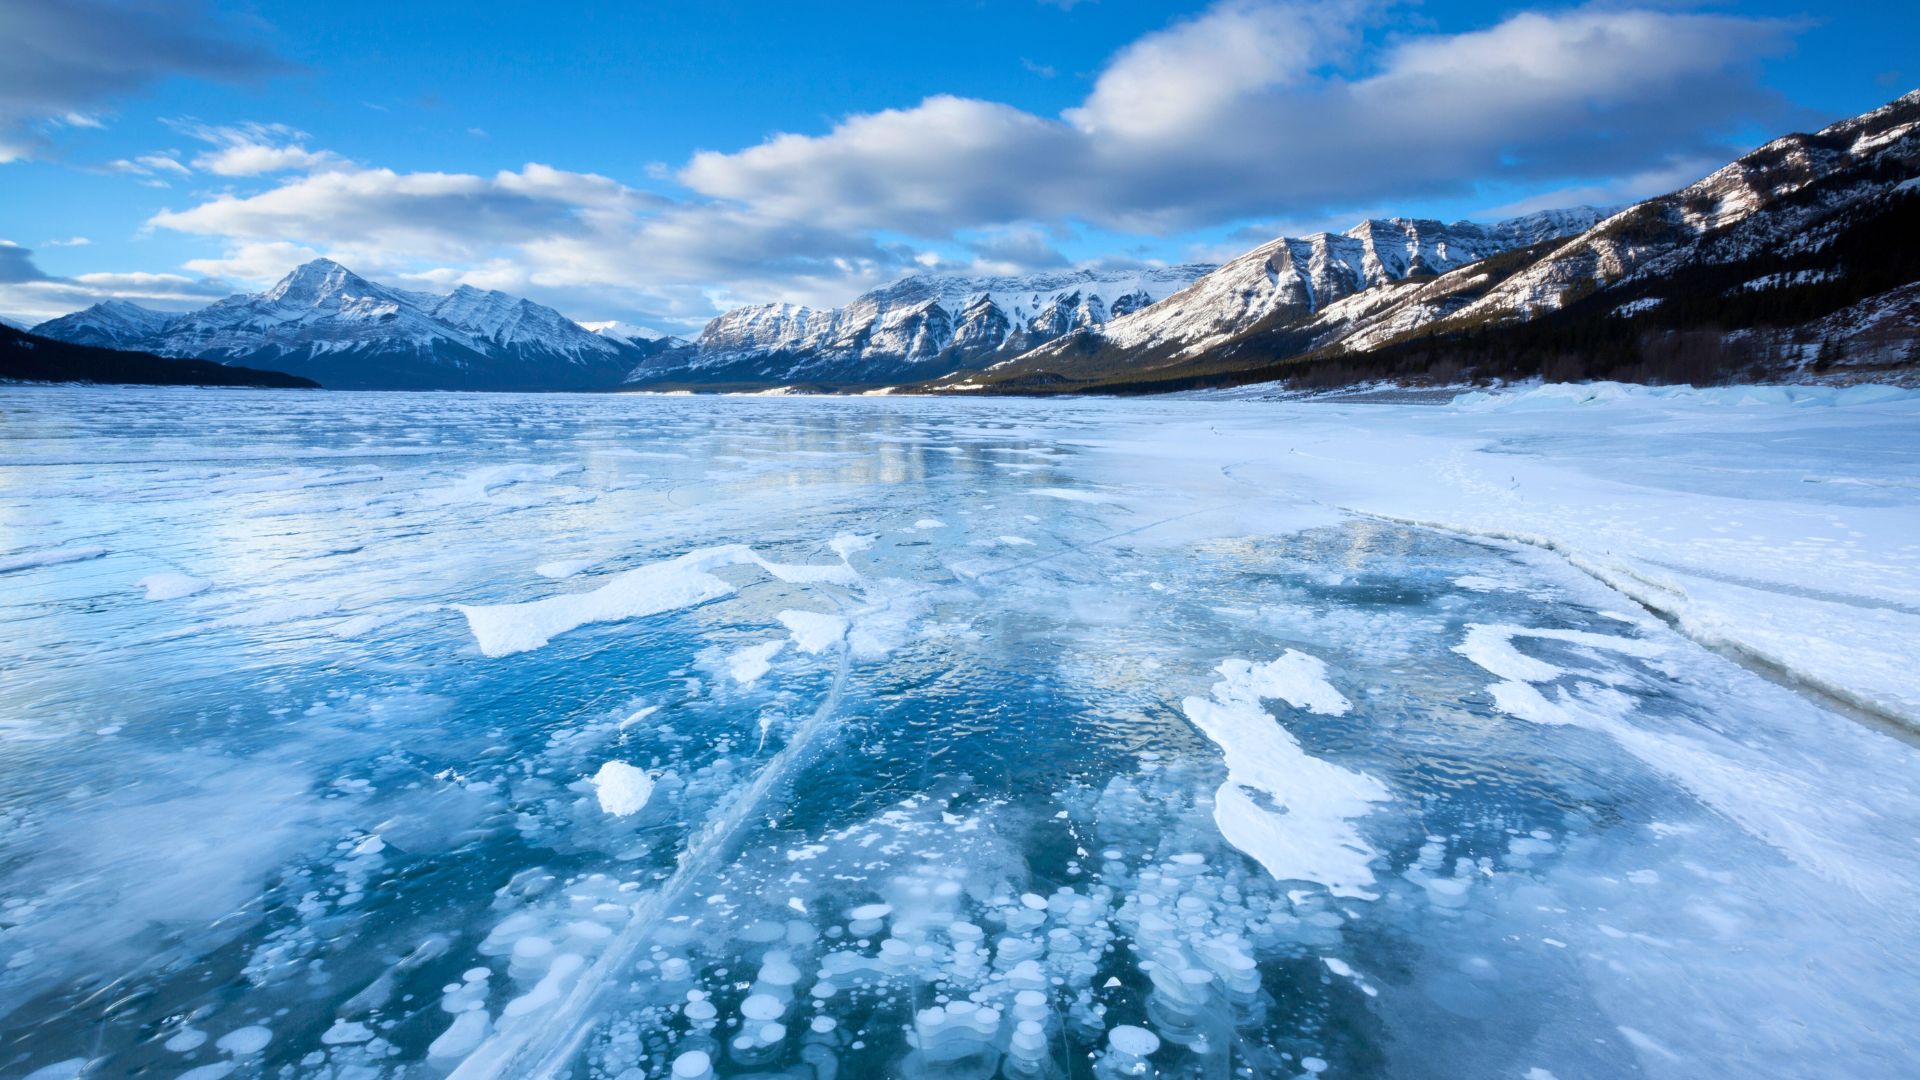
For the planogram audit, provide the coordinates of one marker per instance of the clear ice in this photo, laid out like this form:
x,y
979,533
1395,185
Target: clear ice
x,y
391,736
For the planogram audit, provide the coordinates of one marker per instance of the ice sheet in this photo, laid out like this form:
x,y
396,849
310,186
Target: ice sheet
x,y
391,802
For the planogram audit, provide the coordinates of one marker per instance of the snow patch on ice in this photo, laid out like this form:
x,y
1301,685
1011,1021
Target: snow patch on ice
x,y
1290,811
621,788
564,568
172,586
814,631
746,665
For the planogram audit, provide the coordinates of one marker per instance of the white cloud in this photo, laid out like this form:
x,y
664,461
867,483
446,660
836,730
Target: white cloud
x,y
1253,110
1242,112
254,149
254,262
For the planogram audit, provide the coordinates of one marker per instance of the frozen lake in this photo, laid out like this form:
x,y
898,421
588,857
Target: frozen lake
x,y
414,735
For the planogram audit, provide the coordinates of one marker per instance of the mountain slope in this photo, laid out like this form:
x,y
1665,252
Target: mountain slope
x,y
324,321
1791,259
26,357
109,324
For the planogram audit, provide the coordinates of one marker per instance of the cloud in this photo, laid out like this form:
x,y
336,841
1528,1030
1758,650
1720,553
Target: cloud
x,y
1242,111
254,149
32,295
433,215
151,165
562,237
1016,251
72,241
66,59
16,264
1253,110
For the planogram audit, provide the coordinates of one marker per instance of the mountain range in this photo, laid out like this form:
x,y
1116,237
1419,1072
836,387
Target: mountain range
x,y
1797,257
909,330
325,322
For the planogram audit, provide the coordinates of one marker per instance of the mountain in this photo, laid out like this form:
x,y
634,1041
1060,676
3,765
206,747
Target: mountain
x,y
615,330
110,324
324,321
1796,259
917,327
27,357
1316,287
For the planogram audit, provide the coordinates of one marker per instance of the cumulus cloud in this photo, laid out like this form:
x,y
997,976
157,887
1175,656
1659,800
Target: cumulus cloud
x,y
1242,111
1251,110
575,239
67,59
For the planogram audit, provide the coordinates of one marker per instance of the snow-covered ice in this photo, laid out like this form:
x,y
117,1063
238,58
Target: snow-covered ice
x,y
1560,732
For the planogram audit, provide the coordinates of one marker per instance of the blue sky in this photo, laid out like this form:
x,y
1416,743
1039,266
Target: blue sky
x,y
660,162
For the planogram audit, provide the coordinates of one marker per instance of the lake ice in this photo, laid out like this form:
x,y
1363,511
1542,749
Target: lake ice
x,y
1553,734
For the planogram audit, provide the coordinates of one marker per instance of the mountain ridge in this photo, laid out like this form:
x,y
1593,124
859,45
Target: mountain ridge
x,y
1781,209
323,321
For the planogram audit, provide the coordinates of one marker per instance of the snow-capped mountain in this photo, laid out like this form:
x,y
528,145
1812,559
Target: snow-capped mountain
x,y
915,327
615,330
1798,250
1290,281
110,324
330,324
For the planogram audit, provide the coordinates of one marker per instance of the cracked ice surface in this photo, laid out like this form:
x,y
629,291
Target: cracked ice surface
x,y
396,736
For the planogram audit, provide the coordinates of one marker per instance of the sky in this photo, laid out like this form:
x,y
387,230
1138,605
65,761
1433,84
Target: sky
x,y
659,163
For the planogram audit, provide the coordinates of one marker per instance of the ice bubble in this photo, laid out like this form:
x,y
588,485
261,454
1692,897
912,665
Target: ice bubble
x,y
762,1007
344,1031
186,1039
621,788
1137,1041
247,1040
869,912
693,1065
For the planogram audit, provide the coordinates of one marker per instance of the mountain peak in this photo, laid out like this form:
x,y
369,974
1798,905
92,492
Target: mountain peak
x,y
315,282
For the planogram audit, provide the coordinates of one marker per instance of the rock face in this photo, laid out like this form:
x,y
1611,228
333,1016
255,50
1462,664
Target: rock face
x,y
913,328
325,322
